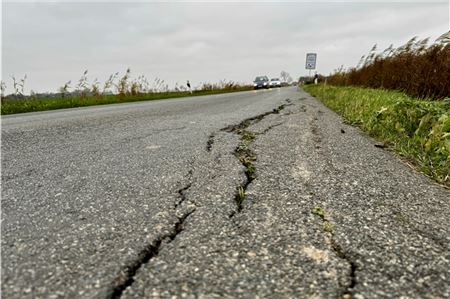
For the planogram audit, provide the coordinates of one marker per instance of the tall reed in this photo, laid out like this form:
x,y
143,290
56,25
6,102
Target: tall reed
x,y
416,68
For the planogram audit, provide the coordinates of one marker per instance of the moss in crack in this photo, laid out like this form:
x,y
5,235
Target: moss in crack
x,y
250,171
319,212
243,152
245,155
328,226
247,137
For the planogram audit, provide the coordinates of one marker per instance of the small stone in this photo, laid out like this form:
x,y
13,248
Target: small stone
x,y
251,254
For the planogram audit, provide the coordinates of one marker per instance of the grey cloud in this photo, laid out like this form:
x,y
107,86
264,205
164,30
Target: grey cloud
x,y
198,41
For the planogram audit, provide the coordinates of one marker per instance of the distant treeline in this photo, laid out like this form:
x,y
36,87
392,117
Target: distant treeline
x,y
416,68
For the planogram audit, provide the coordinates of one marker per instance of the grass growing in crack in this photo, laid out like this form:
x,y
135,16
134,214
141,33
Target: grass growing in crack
x,y
245,155
250,171
240,197
247,137
243,152
328,226
319,212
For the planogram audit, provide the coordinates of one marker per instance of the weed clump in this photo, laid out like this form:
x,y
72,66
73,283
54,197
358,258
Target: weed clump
x,y
319,212
328,226
240,196
245,155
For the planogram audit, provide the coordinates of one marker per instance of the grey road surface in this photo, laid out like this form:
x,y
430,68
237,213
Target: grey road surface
x,y
261,194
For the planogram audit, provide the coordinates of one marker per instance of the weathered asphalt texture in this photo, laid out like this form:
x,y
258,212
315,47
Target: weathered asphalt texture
x,y
262,194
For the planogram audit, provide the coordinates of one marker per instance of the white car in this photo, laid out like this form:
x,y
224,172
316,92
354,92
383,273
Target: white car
x,y
275,82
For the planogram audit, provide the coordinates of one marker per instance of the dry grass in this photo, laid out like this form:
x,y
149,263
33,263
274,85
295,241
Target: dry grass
x,y
117,89
416,68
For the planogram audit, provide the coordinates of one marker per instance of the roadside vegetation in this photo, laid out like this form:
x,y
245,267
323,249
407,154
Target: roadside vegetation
x,y
117,89
417,68
31,105
400,96
418,130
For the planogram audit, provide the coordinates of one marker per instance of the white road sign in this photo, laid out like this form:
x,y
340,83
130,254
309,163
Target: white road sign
x,y
311,61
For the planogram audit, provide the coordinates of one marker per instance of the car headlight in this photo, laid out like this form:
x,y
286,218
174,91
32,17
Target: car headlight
x,y
265,83
254,84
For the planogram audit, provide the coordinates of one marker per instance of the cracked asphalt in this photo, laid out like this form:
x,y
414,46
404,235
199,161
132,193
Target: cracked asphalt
x,y
140,200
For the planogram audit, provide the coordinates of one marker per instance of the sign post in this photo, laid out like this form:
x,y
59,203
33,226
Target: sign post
x,y
311,59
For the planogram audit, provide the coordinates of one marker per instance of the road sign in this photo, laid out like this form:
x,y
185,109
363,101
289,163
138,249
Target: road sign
x,y
311,61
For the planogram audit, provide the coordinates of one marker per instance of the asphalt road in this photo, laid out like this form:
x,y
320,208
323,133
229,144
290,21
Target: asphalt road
x,y
262,194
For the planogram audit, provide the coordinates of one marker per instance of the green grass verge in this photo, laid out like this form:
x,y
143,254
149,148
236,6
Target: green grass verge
x,y
417,130
32,105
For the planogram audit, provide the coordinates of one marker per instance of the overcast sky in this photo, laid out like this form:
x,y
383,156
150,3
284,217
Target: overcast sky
x,y
53,42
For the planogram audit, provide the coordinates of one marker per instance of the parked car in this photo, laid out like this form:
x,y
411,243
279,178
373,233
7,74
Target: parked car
x,y
275,82
261,82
